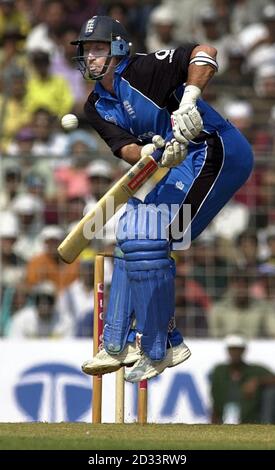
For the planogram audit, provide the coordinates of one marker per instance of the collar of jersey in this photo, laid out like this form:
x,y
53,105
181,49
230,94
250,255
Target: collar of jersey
x,y
118,70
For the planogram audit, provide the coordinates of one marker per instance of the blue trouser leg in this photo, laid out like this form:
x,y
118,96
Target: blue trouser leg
x,y
207,179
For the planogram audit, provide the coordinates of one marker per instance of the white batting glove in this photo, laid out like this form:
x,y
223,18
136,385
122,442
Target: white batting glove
x,y
186,121
157,143
173,154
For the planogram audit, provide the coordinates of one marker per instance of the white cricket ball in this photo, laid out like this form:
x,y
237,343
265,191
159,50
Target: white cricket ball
x,y
69,122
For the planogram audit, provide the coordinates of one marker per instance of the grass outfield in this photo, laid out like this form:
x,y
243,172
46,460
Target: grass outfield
x,y
75,436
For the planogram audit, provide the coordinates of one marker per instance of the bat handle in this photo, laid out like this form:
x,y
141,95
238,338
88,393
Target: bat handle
x,y
157,154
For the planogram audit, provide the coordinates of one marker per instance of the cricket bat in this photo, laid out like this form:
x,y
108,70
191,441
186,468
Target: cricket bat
x,y
118,194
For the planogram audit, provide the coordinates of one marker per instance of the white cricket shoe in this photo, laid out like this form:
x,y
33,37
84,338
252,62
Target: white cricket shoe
x,y
145,368
104,363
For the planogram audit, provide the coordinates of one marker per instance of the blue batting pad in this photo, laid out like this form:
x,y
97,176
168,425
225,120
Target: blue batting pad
x,y
151,274
119,312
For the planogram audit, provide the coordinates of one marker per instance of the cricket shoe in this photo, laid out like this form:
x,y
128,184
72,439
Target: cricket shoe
x,y
104,363
145,368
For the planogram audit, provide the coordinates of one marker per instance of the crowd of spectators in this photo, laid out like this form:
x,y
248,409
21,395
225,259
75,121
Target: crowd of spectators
x,y
49,177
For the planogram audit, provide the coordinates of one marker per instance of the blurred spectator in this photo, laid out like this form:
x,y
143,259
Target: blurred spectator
x,y
240,113
247,255
11,19
211,269
235,81
11,185
12,266
29,209
73,209
271,122
267,189
231,220
243,116
78,299
80,147
100,175
11,56
48,141
267,238
188,11
255,195
45,35
264,85
77,11
162,21
22,143
71,173
237,387
13,298
265,81
210,30
48,266
41,319
118,11
47,90
192,301
239,311
61,64
270,240
35,184
14,111
245,12
267,272
263,52
135,14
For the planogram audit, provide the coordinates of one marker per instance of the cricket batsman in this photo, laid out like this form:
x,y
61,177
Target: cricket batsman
x,y
136,103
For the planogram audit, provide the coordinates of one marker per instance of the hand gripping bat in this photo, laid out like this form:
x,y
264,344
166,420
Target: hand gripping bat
x,y
118,194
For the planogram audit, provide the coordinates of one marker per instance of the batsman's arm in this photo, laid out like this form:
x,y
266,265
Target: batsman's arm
x,y
93,221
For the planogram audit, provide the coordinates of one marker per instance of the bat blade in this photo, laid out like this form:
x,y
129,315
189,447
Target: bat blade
x,y
93,221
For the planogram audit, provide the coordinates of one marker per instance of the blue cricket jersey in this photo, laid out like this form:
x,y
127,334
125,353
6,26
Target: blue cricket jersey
x,y
148,89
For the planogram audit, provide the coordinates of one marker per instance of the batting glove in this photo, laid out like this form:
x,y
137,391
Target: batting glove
x,y
157,143
173,154
186,121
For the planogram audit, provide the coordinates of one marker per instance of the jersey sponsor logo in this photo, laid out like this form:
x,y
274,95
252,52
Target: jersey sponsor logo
x,y
164,53
129,108
109,118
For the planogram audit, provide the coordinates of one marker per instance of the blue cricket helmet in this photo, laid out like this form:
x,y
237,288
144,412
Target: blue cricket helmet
x,y
102,29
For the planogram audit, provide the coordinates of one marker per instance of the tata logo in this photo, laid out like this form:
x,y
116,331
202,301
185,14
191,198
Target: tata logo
x,y
53,392
182,386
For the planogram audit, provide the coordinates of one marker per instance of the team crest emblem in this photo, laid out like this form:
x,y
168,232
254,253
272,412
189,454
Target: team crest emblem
x,y
90,26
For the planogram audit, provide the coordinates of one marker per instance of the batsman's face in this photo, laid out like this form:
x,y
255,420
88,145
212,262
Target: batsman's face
x,y
96,54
